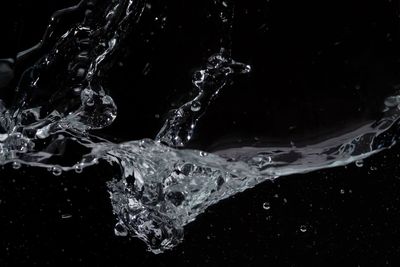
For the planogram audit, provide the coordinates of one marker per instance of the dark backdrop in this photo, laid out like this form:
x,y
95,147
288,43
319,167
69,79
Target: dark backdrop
x,y
329,65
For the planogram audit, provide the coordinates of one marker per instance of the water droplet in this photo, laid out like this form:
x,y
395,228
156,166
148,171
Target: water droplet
x,y
120,229
342,191
107,100
66,216
16,165
303,228
89,102
360,163
78,168
56,171
196,106
247,69
87,97
203,154
266,206
80,73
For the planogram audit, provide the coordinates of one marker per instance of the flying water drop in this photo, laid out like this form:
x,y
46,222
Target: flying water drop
x,y
303,228
360,163
266,206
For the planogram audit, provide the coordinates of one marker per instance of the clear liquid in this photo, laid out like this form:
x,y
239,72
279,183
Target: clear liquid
x,y
163,184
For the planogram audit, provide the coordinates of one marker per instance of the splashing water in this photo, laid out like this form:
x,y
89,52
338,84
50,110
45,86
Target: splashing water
x,y
161,186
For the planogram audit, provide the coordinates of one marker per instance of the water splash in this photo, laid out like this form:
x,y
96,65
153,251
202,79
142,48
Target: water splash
x,y
180,125
159,188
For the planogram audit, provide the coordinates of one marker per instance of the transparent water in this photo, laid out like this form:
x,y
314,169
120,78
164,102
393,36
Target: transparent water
x,y
165,182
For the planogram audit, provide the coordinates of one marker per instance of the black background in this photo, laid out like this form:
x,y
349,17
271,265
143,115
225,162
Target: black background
x,y
350,215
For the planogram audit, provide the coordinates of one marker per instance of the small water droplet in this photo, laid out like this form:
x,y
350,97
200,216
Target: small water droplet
x,y
342,191
16,165
107,100
360,163
196,106
266,206
56,171
203,154
90,102
303,228
66,216
120,229
78,168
